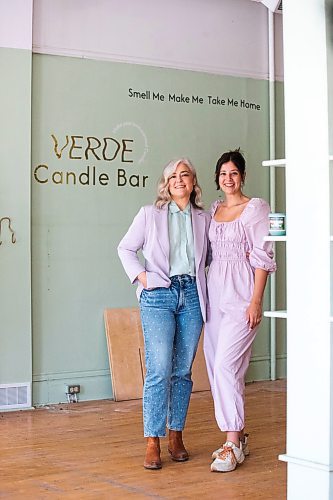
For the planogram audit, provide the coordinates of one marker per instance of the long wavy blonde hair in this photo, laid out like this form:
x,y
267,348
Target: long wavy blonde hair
x,y
163,194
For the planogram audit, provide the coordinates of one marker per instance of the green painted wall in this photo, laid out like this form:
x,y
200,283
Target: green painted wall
x,y
15,272
76,228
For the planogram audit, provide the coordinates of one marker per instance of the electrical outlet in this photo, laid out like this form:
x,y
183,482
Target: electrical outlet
x,y
73,389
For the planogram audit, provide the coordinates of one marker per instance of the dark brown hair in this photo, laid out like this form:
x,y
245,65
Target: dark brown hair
x,y
236,157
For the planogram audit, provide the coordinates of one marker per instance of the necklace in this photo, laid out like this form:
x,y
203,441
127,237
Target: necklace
x,y
236,205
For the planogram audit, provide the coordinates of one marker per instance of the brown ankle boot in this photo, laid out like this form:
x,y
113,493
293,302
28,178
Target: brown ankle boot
x,y
176,447
153,454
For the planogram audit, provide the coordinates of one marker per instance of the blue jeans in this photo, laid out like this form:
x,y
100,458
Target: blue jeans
x,y
171,322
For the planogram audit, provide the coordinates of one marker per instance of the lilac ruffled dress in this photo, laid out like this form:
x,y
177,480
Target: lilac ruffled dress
x,y
238,248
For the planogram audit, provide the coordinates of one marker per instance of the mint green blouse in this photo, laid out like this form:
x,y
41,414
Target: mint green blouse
x,y
181,257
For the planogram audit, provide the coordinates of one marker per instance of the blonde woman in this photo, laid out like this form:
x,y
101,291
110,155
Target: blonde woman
x,y
171,287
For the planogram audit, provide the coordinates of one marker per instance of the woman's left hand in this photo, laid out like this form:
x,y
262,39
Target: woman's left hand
x,y
254,314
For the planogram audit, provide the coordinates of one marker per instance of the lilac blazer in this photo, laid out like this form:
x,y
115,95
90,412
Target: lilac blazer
x,y
149,232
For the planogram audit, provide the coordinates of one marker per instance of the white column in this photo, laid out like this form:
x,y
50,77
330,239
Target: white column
x,y
310,386
16,24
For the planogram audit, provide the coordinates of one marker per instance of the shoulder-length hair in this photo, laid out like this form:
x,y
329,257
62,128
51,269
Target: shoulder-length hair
x,y
163,194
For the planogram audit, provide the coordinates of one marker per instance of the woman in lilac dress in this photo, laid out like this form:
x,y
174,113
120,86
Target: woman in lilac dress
x,y
241,261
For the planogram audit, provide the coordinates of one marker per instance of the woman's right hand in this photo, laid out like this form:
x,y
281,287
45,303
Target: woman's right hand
x,y
142,277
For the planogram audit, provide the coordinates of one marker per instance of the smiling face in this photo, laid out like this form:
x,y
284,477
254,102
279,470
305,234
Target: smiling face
x,y
230,179
181,183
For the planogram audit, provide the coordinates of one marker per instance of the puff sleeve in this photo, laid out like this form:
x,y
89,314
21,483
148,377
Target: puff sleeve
x,y
213,207
256,226
212,211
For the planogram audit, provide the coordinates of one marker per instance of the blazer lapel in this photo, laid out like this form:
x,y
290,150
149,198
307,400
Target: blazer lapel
x,y
198,223
162,229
